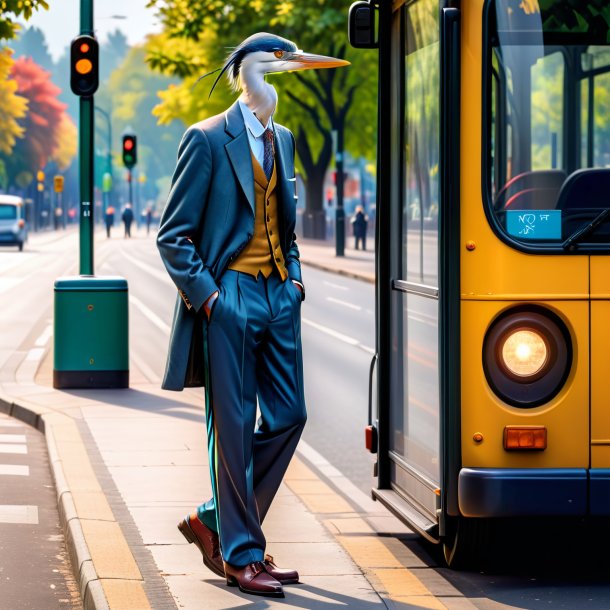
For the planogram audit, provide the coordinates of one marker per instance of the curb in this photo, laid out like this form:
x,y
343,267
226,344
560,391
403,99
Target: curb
x,y
91,591
351,274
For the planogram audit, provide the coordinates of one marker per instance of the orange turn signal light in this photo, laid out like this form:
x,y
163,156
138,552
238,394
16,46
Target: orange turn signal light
x,y
524,438
84,66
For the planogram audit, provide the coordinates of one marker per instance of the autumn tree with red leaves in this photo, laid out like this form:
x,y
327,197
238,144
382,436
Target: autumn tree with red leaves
x,y
43,124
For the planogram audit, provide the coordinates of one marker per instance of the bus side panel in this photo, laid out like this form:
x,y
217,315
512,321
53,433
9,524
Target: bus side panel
x,y
566,417
600,385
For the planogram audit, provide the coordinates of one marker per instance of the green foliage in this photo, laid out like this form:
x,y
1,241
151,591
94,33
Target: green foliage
x,y
10,10
130,96
198,36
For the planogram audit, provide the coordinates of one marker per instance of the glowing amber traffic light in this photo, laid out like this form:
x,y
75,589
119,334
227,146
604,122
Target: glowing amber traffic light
x,y
84,65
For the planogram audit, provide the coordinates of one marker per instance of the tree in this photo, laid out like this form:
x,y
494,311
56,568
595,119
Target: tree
x,y
42,124
112,54
129,96
12,108
313,105
32,43
10,10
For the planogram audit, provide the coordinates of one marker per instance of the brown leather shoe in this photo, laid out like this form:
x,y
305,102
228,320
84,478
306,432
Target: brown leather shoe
x,y
286,577
205,540
253,579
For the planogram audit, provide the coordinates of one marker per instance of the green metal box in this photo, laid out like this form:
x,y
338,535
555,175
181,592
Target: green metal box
x,y
91,348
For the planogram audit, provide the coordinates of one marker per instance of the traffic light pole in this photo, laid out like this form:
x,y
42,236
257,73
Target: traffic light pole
x,y
86,132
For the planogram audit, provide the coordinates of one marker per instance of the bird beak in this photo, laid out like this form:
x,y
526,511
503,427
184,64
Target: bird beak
x,y
309,61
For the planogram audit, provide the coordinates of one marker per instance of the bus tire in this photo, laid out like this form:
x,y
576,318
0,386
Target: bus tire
x,y
467,543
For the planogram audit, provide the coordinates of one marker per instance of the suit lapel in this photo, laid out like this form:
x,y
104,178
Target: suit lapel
x,y
281,158
238,150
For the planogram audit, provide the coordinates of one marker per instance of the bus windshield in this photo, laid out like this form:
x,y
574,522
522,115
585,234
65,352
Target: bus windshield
x,y
548,122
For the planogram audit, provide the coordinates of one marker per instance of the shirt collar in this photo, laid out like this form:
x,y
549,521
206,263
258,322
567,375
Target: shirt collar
x,y
254,126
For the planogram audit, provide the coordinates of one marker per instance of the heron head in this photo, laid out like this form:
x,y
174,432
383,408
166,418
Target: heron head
x,y
265,53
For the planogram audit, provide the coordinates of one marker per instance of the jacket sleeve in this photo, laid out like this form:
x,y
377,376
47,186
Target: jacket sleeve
x,y
293,263
181,220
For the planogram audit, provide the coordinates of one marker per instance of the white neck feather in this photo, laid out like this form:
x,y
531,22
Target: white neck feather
x,y
258,95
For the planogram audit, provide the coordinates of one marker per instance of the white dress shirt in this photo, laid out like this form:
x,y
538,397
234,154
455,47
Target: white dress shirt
x,y
255,131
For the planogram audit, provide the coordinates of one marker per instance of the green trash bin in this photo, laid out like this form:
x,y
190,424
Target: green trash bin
x,y
91,348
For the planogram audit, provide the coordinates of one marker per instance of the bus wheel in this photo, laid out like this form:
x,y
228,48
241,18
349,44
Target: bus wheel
x,y
467,542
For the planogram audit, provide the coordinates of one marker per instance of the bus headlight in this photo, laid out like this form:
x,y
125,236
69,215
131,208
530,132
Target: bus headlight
x,y
527,355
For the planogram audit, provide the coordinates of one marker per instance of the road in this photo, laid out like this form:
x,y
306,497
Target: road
x,y
529,571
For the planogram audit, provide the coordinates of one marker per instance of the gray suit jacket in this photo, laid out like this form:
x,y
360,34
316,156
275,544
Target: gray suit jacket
x,y
209,219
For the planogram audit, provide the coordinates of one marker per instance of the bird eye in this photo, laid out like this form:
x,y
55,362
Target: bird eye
x,y
279,54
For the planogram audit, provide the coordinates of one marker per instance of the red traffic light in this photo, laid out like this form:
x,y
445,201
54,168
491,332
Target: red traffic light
x,y
84,65
128,144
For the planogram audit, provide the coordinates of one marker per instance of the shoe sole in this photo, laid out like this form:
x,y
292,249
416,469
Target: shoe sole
x,y
189,534
234,583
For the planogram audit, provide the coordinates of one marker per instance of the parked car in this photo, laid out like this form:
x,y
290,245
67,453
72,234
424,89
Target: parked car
x,y
13,229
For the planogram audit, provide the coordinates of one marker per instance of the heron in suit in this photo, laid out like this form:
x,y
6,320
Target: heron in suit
x,y
227,240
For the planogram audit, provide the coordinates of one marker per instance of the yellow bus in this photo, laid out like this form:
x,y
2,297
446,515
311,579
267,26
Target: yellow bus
x,y
490,394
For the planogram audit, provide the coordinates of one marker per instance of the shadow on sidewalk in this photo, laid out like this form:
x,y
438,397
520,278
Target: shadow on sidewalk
x,y
146,402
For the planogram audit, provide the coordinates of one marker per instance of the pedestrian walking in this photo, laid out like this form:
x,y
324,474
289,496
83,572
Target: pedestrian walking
x,y
227,240
148,216
127,218
360,223
109,219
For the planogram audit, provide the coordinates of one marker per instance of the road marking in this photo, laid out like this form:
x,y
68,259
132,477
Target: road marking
x,y
338,335
356,495
10,513
344,303
21,449
12,469
12,438
157,273
29,366
151,315
10,424
44,338
333,285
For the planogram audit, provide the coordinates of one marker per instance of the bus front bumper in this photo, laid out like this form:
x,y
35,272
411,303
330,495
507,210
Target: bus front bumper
x,y
514,492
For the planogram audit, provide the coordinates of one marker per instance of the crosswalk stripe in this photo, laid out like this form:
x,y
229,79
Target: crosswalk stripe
x,y
21,449
12,438
14,469
11,513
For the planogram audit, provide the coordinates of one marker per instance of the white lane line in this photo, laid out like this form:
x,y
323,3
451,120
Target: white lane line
x,y
44,338
151,315
20,449
11,513
339,336
353,493
12,438
157,273
12,469
10,424
333,285
29,366
344,303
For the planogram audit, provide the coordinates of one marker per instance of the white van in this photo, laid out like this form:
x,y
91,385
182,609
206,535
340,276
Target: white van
x,y
13,230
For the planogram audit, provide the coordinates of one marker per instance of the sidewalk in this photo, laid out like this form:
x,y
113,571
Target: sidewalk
x,y
322,255
128,464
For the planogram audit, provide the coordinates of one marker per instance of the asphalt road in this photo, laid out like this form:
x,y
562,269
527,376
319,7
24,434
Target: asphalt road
x,y
531,565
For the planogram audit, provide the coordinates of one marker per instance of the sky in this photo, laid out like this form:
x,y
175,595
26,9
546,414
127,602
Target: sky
x,y
61,22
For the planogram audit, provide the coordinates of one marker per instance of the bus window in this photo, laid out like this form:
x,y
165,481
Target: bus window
x,y
548,109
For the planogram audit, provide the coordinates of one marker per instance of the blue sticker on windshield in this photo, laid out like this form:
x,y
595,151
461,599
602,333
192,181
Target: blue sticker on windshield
x,y
534,224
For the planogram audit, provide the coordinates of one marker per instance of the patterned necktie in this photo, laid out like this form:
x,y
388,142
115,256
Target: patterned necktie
x,y
268,150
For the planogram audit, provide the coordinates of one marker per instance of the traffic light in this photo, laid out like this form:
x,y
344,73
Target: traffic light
x,y
84,65
130,151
